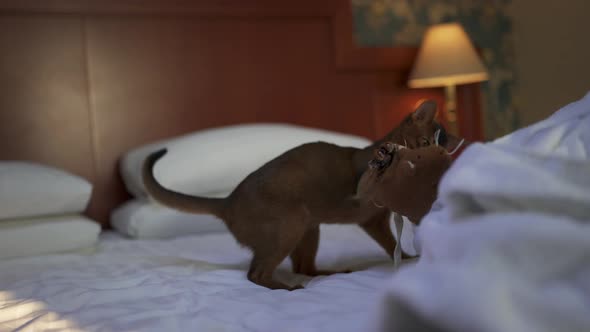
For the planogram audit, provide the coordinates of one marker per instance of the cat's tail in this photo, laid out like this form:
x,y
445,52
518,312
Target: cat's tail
x,y
176,200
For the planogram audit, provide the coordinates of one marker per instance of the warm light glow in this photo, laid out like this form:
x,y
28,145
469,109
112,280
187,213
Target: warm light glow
x,y
31,315
446,57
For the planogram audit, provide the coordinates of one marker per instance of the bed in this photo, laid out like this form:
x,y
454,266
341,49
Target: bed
x,y
502,252
84,82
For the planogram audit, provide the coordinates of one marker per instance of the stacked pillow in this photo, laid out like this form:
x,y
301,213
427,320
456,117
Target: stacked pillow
x,y
209,163
41,210
141,218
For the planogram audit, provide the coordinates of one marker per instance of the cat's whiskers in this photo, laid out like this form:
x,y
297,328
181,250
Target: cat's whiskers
x,y
436,135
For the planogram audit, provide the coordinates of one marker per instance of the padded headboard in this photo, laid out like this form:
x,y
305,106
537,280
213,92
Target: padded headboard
x,y
83,81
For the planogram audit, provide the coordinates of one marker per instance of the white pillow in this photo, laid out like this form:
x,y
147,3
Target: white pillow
x,y
39,236
29,189
218,159
142,219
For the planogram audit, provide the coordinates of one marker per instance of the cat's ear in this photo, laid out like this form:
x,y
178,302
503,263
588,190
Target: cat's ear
x,y
425,113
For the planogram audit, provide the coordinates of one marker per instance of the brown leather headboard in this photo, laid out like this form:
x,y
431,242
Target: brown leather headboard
x,y
83,81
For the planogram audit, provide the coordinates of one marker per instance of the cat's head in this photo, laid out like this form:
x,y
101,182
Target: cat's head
x,y
418,129
408,165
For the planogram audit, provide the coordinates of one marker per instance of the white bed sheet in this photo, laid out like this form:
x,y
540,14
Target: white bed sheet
x,y
193,283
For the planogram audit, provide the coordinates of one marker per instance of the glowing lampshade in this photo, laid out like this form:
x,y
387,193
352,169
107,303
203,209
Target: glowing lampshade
x,y
446,57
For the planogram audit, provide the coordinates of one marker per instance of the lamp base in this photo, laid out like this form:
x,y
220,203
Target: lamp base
x,y
451,109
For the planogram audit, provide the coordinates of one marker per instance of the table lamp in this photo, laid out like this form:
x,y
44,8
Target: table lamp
x,y
447,58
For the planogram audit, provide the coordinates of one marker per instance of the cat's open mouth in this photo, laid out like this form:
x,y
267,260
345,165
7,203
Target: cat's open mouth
x,y
383,156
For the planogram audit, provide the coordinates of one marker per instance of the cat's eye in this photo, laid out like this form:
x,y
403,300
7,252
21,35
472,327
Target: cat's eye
x,y
424,141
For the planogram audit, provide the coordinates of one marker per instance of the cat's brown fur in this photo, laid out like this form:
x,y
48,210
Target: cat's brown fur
x,y
276,210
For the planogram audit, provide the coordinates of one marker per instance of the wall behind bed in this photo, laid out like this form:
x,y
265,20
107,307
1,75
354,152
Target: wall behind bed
x,y
83,81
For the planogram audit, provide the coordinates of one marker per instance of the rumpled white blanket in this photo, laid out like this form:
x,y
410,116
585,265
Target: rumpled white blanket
x,y
507,245
191,283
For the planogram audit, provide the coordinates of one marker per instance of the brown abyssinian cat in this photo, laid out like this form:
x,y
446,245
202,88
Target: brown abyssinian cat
x,y
276,210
